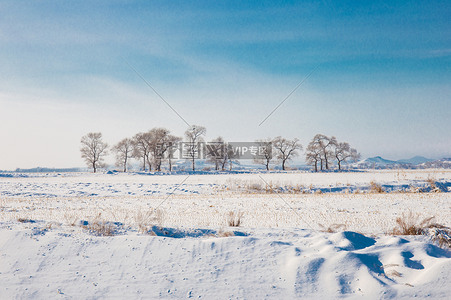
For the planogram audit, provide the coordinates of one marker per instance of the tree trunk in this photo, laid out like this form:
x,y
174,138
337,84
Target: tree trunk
x,y
170,165
150,165
94,166
158,165
316,166
283,165
339,164
194,164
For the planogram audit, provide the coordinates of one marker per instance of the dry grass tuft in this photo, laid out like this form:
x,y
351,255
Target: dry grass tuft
x,y
24,220
394,273
100,227
234,218
333,228
222,233
145,220
376,188
432,183
440,235
410,225
71,219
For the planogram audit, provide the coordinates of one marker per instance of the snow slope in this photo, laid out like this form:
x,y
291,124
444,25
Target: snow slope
x,y
274,264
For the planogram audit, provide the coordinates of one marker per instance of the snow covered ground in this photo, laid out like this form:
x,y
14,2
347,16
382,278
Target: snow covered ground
x,y
99,236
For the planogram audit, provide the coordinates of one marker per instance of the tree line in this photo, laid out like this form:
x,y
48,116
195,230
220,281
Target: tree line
x,y
158,145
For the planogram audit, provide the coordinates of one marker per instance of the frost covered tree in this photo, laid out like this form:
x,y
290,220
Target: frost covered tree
x,y
141,148
228,157
161,145
172,142
194,138
286,149
158,145
93,150
325,145
123,151
343,152
265,154
215,151
313,155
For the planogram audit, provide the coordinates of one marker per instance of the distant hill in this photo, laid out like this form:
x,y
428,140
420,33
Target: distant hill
x,y
378,162
417,160
444,163
47,170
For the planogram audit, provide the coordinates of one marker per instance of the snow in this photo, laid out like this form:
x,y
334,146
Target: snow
x,y
187,250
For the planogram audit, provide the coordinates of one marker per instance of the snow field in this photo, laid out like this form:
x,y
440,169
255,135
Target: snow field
x,y
185,249
365,213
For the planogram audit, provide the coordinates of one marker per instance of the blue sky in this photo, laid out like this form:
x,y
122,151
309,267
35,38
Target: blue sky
x,y
382,81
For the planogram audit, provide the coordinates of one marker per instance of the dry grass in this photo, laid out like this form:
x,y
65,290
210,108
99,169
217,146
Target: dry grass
x,y
432,183
234,218
100,227
376,188
409,224
333,228
145,220
24,220
71,218
440,235
260,187
222,233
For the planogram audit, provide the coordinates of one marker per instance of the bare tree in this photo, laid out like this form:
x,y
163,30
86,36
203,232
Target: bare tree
x,y
286,149
158,145
313,155
232,156
141,148
215,151
228,154
172,142
325,145
194,137
265,154
123,151
343,152
93,149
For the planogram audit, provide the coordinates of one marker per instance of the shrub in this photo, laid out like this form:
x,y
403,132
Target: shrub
x,y
234,218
